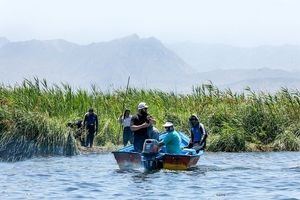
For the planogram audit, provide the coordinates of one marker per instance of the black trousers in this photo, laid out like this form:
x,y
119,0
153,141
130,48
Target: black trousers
x,y
90,136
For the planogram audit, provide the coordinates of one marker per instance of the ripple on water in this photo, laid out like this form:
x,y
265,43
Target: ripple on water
x,y
218,176
43,175
295,169
69,189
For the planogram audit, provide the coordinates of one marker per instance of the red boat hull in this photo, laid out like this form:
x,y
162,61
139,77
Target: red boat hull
x,y
128,160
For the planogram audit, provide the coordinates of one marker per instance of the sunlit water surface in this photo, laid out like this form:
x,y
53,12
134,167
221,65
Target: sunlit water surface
x,y
97,176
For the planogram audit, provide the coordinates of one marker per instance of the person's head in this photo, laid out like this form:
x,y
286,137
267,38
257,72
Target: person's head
x,y
169,126
194,120
126,112
91,110
143,108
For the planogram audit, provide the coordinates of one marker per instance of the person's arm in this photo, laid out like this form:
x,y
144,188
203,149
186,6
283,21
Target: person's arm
x,y
151,120
204,135
192,137
167,139
97,124
120,119
84,121
134,127
161,143
138,127
190,145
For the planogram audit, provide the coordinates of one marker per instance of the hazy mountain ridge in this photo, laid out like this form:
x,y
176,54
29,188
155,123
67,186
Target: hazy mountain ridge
x,y
235,75
206,57
105,64
3,41
149,63
265,85
257,79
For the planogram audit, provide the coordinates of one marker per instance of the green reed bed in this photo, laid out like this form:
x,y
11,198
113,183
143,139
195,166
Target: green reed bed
x,y
28,134
34,116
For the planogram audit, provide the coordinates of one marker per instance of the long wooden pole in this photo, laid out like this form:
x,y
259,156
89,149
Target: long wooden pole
x,y
124,101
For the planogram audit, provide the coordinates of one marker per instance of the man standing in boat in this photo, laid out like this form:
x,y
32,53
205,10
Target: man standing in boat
x,y
90,122
139,125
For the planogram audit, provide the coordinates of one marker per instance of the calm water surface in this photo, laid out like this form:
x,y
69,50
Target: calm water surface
x,y
217,176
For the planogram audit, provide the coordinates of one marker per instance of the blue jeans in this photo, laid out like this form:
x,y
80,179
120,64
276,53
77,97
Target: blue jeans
x,y
127,136
138,144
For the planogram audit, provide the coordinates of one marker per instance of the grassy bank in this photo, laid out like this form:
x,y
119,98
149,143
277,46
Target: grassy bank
x,y
33,117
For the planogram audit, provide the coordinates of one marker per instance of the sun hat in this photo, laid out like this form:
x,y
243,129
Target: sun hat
x,y
168,124
142,105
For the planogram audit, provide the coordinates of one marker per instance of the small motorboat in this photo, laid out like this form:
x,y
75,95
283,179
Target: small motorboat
x,y
153,158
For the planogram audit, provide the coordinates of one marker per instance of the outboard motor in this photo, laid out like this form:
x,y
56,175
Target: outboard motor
x,y
150,154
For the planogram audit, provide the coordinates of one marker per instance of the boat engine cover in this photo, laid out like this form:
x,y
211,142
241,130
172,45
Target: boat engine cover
x,y
150,146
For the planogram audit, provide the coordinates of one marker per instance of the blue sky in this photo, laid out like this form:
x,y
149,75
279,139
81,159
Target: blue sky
x,y
235,22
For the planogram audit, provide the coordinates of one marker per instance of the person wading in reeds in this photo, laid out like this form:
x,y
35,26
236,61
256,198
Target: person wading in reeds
x,y
90,122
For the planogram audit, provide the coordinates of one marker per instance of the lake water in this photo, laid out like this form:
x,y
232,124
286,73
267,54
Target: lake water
x,y
217,176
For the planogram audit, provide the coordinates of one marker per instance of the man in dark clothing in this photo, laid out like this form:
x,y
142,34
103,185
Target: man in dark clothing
x,y
90,122
139,125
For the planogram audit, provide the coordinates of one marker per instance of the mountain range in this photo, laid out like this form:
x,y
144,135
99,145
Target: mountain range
x,y
150,64
206,57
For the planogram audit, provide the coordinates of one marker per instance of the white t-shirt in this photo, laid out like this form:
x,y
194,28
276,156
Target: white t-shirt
x,y
126,121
